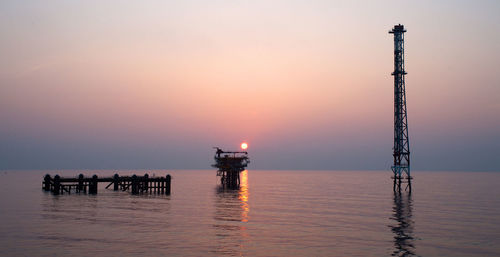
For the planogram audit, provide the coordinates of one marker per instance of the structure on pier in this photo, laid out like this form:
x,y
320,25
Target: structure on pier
x,y
229,165
401,154
81,184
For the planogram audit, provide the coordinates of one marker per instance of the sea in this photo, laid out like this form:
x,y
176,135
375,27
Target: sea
x,y
273,213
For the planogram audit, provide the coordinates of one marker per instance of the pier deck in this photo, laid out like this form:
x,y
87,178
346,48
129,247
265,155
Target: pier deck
x,y
135,184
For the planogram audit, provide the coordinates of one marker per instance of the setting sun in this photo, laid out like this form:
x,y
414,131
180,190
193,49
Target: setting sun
x,y
244,146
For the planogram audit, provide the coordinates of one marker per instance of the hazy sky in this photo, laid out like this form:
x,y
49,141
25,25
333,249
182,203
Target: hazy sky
x,y
156,84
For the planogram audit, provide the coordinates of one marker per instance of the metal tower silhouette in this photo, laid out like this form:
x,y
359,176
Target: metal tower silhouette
x,y
401,167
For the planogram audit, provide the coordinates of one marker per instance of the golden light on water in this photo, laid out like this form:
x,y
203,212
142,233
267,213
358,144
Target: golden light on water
x,y
244,146
243,195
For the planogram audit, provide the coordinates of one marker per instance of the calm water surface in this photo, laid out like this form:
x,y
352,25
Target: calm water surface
x,y
275,213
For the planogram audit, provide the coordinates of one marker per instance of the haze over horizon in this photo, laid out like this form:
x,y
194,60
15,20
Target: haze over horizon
x,y
154,84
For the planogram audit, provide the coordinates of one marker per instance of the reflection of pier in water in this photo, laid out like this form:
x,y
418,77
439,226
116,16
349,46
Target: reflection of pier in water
x,y
231,216
403,229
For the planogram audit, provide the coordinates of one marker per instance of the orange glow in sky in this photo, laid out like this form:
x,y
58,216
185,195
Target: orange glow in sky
x,y
309,81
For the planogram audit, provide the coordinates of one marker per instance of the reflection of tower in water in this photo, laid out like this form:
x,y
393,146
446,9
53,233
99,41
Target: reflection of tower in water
x,y
403,229
231,216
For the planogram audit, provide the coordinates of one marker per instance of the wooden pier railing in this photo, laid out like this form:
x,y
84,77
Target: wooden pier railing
x,y
135,184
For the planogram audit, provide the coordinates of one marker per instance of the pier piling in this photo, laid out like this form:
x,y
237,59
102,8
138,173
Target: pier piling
x,y
56,186
145,183
135,186
116,182
93,185
46,182
80,187
167,188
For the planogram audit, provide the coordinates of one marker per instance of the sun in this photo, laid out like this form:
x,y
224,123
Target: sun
x,y
244,146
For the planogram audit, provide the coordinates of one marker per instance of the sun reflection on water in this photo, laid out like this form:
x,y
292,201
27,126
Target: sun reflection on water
x,y
231,218
243,195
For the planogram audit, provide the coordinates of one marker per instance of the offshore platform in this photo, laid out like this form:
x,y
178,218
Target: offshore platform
x,y
229,165
401,154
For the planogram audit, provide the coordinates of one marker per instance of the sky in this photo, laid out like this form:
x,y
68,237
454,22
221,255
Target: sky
x,y
157,84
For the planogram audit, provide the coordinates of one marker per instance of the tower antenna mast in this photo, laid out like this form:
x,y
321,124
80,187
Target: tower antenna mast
x,y
401,154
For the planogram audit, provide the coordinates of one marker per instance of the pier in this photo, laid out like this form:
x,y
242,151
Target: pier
x,y
81,184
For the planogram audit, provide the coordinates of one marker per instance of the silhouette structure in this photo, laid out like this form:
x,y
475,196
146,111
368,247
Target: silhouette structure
x,y
229,165
136,184
401,154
